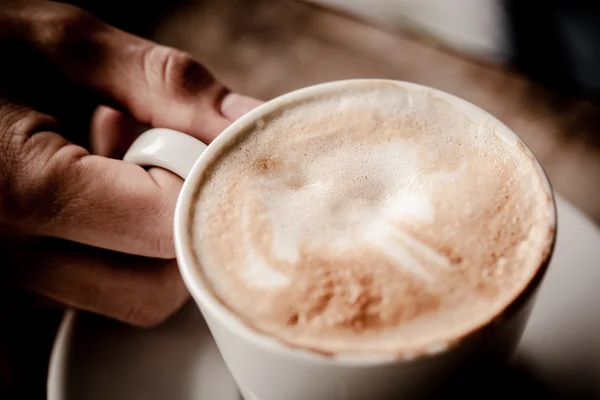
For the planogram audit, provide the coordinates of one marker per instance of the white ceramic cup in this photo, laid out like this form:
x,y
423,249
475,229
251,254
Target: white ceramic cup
x,y
266,369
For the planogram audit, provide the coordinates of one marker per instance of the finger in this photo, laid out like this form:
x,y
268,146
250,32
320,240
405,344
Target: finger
x,y
235,105
58,189
112,132
135,290
158,85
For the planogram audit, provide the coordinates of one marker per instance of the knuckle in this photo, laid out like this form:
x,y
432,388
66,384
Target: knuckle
x,y
47,26
38,193
62,25
18,160
19,122
175,72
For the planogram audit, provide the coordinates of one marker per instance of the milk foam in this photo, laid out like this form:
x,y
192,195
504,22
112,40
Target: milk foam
x,y
372,220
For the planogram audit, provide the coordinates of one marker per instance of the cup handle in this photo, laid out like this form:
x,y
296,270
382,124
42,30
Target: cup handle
x,y
165,148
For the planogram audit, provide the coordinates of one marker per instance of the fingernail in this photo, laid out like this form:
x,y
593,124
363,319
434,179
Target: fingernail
x,y
235,105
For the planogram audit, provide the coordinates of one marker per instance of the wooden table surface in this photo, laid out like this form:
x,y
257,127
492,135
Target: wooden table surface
x,y
267,47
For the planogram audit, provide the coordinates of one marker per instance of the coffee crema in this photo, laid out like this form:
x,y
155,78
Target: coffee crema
x,y
372,219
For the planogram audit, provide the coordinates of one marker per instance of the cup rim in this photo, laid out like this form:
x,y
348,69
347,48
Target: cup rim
x,y
209,303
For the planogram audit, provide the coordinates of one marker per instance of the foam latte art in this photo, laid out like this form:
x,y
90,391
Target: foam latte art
x,y
372,219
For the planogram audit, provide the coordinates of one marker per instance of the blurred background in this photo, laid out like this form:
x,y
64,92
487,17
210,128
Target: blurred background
x,y
531,63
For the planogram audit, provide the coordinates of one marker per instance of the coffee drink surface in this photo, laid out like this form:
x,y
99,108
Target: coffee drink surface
x,y
374,219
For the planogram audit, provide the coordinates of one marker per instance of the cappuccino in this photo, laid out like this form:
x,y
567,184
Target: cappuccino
x,y
372,219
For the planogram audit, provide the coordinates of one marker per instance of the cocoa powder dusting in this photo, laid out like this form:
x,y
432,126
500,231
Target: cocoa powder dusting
x,y
346,296
266,164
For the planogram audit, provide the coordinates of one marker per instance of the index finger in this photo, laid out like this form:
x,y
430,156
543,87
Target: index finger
x,y
157,85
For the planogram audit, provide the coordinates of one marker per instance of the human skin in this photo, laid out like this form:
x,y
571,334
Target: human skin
x,y
78,226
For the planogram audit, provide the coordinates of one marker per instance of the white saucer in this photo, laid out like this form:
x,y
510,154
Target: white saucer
x,y
559,355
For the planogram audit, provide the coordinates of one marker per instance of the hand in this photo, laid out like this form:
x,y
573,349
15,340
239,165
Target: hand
x,y
70,210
